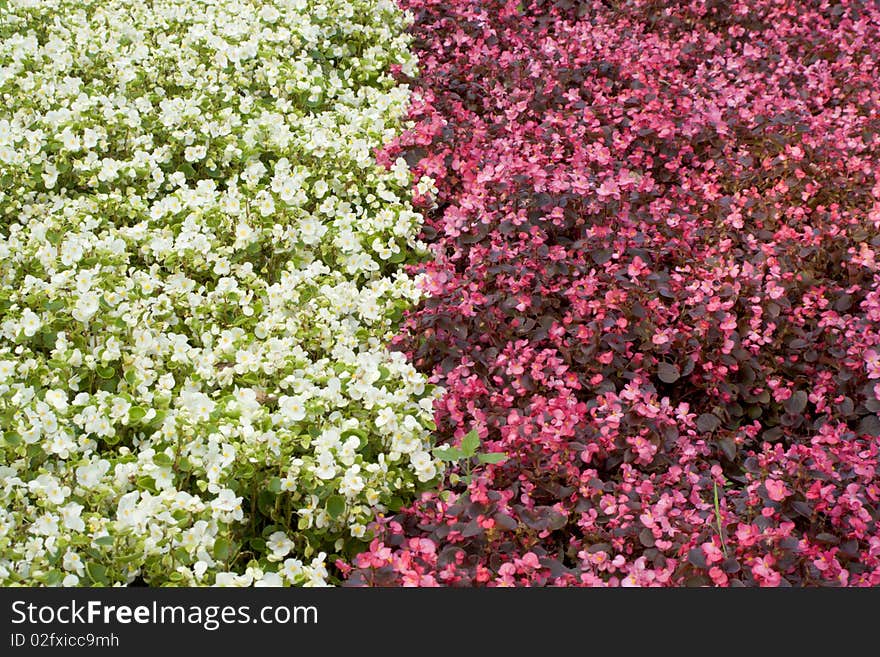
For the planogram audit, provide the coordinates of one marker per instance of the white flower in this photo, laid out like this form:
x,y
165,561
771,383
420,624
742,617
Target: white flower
x,y
311,230
46,524
351,483
292,409
227,502
128,511
424,465
90,475
269,14
326,466
269,580
265,204
279,545
57,398
86,306
7,369
228,579
292,570
199,405
70,516
57,493
73,562
386,417
244,233
30,322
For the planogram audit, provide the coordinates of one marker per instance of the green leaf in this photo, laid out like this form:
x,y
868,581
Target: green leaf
x,y
12,439
112,440
54,578
335,505
159,417
449,454
104,541
106,371
93,553
266,502
97,573
470,443
136,413
360,433
275,485
494,457
147,483
163,460
182,555
222,549
108,385
54,304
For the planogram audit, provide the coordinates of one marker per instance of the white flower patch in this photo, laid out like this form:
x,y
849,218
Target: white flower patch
x,y
200,263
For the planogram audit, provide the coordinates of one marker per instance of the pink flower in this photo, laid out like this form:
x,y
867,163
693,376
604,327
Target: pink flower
x,y
763,571
776,490
872,362
660,338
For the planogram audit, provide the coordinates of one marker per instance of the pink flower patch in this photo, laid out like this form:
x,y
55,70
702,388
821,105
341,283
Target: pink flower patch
x,y
648,292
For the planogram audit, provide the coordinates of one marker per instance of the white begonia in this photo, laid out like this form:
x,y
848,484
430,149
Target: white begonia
x,y
227,503
352,483
269,580
279,546
291,409
70,516
91,475
326,466
86,306
292,570
30,322
73,562
57,398
197,265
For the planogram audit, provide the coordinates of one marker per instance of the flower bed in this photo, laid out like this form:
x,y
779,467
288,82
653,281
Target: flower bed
x,y
654,289
200,266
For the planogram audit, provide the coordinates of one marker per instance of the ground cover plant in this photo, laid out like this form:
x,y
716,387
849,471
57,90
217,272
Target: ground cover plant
x,y
200,268
653,294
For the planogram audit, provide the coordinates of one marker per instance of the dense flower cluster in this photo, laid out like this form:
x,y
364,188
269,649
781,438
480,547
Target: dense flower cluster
x,y
655,288
201,264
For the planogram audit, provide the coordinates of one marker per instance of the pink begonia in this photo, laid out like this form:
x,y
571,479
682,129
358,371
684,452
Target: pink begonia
x,y
776,490
764,573
872,362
